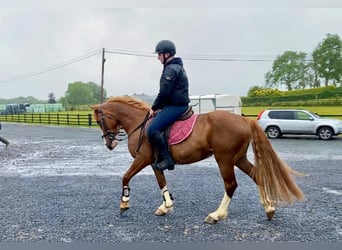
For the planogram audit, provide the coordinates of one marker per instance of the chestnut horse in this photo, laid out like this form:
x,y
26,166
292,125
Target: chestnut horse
x,y
222,134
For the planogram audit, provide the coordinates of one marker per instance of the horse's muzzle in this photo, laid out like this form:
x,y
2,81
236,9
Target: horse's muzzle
x,y
112,145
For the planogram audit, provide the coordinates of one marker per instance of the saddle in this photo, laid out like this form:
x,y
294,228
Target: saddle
x,y
182,128
179,131
187,114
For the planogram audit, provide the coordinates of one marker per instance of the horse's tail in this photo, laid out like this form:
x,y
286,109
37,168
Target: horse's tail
x,y
272,175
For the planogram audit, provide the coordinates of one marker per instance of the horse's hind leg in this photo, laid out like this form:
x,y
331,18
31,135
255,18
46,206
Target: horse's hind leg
x,y
230,184
245,166
221,212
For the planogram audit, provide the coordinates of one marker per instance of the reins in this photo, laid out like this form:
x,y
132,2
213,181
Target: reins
x,y
142,125
142,130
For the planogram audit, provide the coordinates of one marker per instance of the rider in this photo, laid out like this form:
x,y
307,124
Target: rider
x,y
3,139
171,102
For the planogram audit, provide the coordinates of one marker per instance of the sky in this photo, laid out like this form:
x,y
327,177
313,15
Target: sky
x,y
42,50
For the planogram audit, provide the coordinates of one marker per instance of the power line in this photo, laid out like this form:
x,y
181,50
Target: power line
x,y
130,53
226,59
238,58
214,58
194,57
54,67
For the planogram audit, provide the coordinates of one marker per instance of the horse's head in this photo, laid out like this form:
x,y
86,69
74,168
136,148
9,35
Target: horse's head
x,y
116,113
109,126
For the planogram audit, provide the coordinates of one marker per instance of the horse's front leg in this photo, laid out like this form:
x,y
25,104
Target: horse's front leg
x,y
125,196
167,205
137,165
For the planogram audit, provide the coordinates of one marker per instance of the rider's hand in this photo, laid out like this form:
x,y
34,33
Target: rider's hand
x,y
152,113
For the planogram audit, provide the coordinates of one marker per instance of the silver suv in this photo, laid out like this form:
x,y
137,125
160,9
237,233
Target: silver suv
x,y
276,122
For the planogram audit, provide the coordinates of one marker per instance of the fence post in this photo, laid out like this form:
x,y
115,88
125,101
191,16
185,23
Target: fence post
x,y
89,120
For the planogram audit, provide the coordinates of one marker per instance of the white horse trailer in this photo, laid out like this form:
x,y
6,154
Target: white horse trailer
x,y
206,103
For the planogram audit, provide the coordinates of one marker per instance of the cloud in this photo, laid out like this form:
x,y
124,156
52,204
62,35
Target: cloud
x,y
35,39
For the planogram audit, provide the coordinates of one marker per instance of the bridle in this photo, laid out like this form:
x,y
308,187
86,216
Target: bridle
x,y
112,135
107,131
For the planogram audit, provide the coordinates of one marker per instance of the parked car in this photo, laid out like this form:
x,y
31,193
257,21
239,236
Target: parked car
x,y
276,122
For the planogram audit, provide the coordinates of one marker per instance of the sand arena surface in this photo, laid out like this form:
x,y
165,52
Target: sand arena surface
x,y
61,184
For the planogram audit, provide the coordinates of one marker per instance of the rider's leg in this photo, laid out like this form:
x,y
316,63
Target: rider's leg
x,y
162,120
159,141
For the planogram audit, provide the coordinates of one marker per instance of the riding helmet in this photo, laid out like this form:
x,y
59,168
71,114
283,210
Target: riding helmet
x,y
166,46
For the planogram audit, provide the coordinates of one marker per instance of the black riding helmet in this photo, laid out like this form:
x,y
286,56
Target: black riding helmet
x,y
166,46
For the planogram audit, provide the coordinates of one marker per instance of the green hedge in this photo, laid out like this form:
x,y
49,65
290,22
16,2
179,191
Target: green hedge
x,y
329,96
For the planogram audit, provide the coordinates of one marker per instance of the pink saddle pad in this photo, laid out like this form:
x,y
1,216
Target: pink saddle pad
x,y
181,130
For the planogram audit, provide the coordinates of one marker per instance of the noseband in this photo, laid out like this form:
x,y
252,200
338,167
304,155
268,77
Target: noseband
x,y
108,133
112,135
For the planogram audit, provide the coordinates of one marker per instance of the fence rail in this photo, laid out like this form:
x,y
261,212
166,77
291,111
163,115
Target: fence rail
x,y
50,118
73,119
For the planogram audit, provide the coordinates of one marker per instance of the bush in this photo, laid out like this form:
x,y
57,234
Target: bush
x,y
328,96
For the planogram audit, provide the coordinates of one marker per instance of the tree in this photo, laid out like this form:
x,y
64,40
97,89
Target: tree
x,y
327,59
289,69
313,79
96,90
80,93
21,99
257,91
52,98
254,91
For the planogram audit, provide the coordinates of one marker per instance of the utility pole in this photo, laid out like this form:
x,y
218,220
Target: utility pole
x,y
102,72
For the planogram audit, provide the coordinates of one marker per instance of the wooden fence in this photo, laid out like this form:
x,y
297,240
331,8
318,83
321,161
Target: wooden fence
x,y
51,118
73,119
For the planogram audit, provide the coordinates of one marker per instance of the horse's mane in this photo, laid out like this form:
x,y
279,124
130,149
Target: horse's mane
x,y
132,101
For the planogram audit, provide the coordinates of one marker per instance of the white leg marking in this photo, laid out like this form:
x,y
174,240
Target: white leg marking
x,y
167,205
222,211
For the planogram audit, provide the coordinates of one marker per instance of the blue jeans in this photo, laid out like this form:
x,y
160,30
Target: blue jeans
x,y
164,118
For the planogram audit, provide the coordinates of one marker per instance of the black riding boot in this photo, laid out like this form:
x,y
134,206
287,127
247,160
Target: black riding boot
x,y
159,141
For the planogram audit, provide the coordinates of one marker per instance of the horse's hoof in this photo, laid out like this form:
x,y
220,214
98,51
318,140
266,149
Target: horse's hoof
x,y
124,206
270,211
210,220
123,210
270,214
159,212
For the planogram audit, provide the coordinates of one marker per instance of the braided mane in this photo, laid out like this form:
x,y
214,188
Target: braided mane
x,y
132,101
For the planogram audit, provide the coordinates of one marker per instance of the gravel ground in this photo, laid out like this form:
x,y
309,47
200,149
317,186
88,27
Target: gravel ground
x,y
61,184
